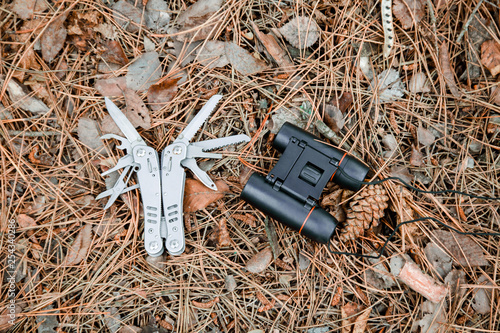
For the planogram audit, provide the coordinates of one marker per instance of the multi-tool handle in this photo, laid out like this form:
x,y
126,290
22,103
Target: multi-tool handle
x,y
173,180
148,176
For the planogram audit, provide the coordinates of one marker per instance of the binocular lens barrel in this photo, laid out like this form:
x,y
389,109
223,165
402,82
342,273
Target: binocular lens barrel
x,y
314,223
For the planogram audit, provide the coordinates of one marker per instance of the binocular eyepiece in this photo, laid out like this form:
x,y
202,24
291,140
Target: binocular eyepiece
x,y
289,193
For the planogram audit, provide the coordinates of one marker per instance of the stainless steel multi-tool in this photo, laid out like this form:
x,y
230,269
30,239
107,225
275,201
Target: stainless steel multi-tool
x,y
162,186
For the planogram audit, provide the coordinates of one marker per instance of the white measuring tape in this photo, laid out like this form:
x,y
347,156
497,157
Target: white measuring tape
x,y
388,27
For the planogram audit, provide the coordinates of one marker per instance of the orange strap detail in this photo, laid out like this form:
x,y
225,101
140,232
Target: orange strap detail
x,y
307,217
338,166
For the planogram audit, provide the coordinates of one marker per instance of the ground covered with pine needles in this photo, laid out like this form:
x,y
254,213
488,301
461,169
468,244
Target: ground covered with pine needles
x,y
425,110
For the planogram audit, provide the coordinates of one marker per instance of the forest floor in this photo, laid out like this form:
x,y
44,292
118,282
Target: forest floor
x,y
408,88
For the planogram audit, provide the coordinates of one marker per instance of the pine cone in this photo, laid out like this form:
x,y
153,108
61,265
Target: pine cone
x,y
364,211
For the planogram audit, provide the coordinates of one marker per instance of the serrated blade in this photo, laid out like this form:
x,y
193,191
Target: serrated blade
x,y
213,144
199,119
123,123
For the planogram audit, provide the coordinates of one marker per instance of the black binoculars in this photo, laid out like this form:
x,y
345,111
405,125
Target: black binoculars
x,y
289,193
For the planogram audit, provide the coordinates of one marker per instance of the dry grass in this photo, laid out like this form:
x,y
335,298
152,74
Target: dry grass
x,y
115,273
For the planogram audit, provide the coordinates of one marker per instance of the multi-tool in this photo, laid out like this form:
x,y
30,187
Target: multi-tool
x,y
162,186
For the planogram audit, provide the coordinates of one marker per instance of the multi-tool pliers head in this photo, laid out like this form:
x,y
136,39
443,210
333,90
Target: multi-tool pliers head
x,y
162,184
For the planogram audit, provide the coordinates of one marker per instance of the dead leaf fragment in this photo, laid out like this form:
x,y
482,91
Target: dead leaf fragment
x,y
213,54
441,262
206,305
136,111
334,117
162,93
199,15
419,83
425,136
462,248
361,321
197,196
336,297
275,50
25,221
246,218
223,238
53,38
302,32
113,53
78,250
260,261
482,296
448,73
490,56
144,71
111,87
267,305
417,157
434,317
408,12
157,16
89,134
242,61
22,98
25,8
127,15
389,86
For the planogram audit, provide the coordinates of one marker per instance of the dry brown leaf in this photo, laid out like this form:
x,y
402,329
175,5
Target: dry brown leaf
x,y
53,38
302,32
275,50
223,238
462,248
27,61
417,157
361,295
280,263
25,8
198,15
111,87
361,321
495,95
89,134
348,312
25,221
425,136
206,305
402,172
136,111
23,98
419,83
112,52
408,12
246,218
78,250
448,73
242,61
197,196
334,118
127,15
345,101
267,305
144,71
162,93
336,297
245,173
212,54
260,261
490,56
